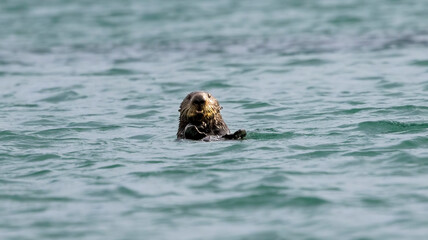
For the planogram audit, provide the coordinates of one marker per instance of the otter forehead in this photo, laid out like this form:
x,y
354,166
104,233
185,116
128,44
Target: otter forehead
x,y
200,97
199,94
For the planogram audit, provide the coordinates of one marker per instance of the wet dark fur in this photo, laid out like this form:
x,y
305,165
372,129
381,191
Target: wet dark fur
x,y
200,118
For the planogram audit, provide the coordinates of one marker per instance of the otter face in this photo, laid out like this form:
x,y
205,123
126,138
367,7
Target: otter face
x,y
198,107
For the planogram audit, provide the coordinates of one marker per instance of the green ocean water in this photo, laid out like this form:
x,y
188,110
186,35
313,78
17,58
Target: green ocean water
x,y
333,95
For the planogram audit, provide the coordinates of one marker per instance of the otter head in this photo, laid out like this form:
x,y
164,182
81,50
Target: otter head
x,y
198,107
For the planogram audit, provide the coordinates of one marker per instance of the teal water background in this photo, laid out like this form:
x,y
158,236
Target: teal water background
x,y
333,95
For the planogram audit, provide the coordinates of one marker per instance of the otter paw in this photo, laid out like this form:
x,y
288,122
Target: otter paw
x,y
192,132
202,127
240,134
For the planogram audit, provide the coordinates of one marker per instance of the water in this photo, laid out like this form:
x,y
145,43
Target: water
x,y
333,95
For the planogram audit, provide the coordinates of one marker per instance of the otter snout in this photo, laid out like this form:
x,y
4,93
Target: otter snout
x,y
199,100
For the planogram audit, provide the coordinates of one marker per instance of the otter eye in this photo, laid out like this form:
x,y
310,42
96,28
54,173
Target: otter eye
x,y
209,95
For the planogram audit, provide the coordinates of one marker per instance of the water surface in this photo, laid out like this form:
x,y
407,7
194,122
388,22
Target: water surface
x,y
333,95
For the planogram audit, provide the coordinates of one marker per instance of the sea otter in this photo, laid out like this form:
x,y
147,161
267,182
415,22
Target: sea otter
x,y
200,118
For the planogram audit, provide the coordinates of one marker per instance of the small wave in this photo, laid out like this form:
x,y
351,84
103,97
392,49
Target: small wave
x,y
378,127
174,173
112,166
142,115
42,122
10,136
362,153
63,97
29,198
58,131
42,157
345,19
114,72
61,89
142,137
7,135
351,111
127,60
129,192
26,105
390,85
264,116
306,201
262,199
142,107
254,105
307,62
408,158
269,134
93,125
405,110
36,173
314,154
418,142
369,78
216,84
374,202
419,63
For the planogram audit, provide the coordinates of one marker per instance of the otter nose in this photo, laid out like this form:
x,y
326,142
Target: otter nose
x,y
198,100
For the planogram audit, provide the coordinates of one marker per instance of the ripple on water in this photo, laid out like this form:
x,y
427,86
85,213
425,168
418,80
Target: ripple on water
x,y
63,97
41,157
254,105
112,166
142,115
168,173
59,131
114,72
125,191
414,143
61,89
34,199
379,127
29,105
345,20
404,110
36,174
269,134
93,125
142,137
314,154
235,147
307,62
223,84
264,199
19,137
43,122
142,107
390,85
408,158
374,202
419,63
